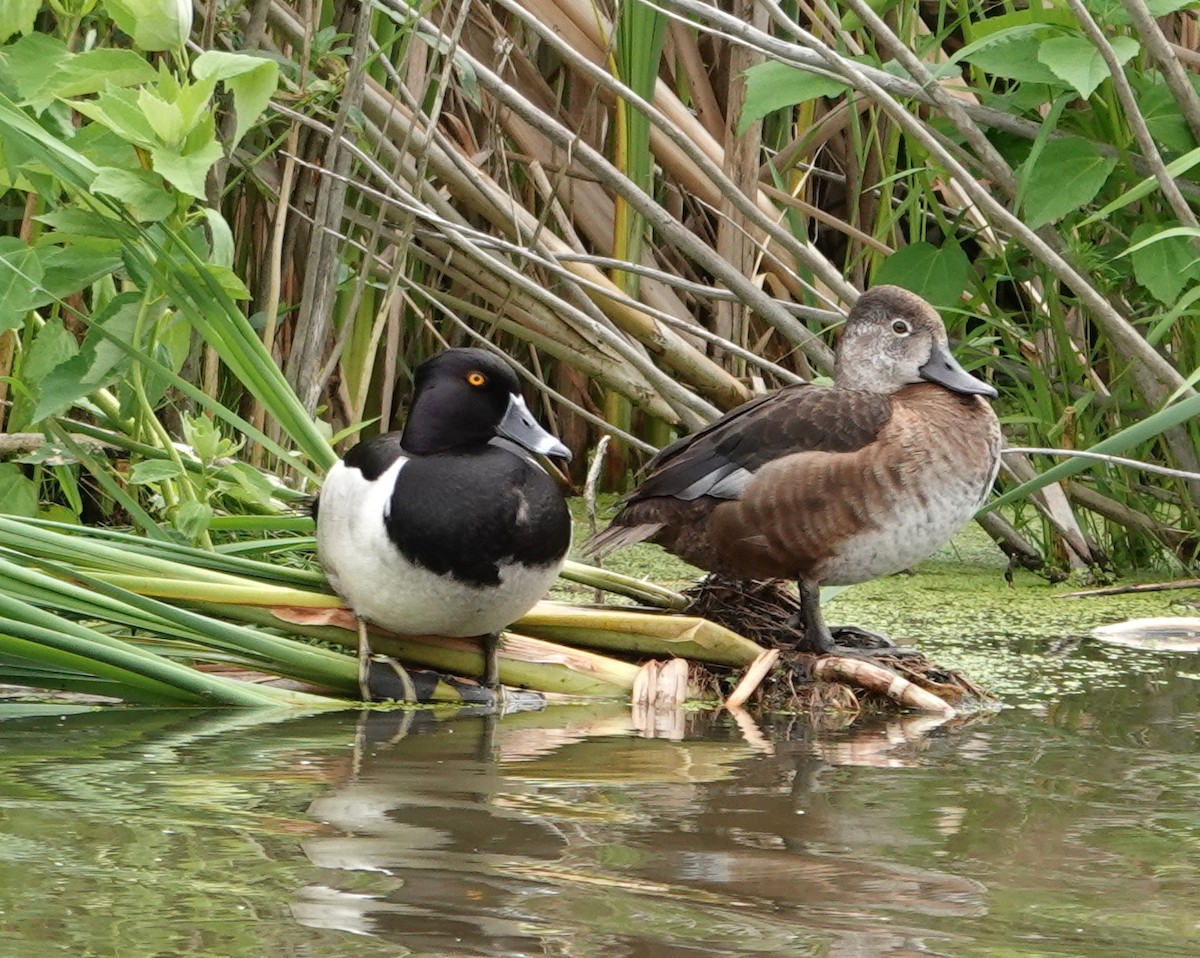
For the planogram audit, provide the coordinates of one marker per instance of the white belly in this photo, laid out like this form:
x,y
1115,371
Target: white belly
x,y
382,586
910,535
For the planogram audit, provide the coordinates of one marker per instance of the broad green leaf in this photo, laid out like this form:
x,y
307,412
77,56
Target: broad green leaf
x,y
31,63
249,484
773,86
1006,25
1176,167
73,267
97,70
52,346
852,21
1012,54
17,16
91,366
154,470
938,274
153,24
186,172
1160,8
18,493
20,281
221,238
202,434
171,346
1076,60
1158,106
1166,266
229,281
164,117
1068,175
252,81
86,224
140,190
194,101
192,518
120,111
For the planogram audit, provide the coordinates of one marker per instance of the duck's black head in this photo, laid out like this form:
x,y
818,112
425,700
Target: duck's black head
x,y
463,398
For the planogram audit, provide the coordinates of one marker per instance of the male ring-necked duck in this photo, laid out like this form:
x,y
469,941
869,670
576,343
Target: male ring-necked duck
x,y
448,527
830,485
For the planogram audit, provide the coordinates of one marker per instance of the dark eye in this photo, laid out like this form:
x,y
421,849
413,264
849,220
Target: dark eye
x,y
900,327
477,379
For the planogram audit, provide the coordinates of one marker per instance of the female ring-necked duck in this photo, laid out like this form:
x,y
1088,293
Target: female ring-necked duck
x,y
830,485
449,527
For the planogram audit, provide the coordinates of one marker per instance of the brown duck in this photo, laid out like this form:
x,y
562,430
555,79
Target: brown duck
x,y
830,485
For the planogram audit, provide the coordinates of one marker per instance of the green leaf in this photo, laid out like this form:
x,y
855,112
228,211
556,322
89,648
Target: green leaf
x,y
52,346
140,190
1076,60
1160,8
165,117
74,266
154,470
17,16
1068,175
1165,266
97,70
251,80
202,434
1163,118
221,238
20,281
939,275
153,24
249,484
1012,54
1177,167
192,518
91,366
773,86
18,493
120,111
87,225
186,173
1129,437
30,63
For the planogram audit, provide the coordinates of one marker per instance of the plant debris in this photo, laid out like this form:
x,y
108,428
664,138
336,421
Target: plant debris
x,y
762,610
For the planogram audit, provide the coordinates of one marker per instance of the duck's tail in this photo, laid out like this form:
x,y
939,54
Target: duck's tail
x,y
618,537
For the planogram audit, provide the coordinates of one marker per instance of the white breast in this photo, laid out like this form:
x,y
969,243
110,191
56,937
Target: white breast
x,y
382,586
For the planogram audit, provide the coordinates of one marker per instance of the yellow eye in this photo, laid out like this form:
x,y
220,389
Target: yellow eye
x,y
477,379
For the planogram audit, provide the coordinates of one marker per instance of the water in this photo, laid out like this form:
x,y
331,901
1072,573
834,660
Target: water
x,y
1066,824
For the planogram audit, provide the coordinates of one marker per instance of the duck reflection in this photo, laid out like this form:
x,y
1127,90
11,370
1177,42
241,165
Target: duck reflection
x,y
566,834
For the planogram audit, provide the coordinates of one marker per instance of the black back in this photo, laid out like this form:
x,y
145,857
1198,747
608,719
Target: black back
x,y
467,513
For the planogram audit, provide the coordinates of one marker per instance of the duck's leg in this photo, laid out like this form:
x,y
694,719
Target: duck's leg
x,y
819,638
364,660
491,662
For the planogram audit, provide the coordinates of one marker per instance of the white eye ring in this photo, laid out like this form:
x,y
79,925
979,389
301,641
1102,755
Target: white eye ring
x,y
900,327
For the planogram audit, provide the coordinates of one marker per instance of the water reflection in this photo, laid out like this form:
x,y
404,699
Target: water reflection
x,y
1071,830
512,838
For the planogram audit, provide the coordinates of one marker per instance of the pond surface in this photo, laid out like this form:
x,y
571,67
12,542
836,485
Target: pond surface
x,y
1067,823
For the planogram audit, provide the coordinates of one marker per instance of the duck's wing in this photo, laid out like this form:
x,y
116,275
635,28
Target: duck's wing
x,y
718,460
